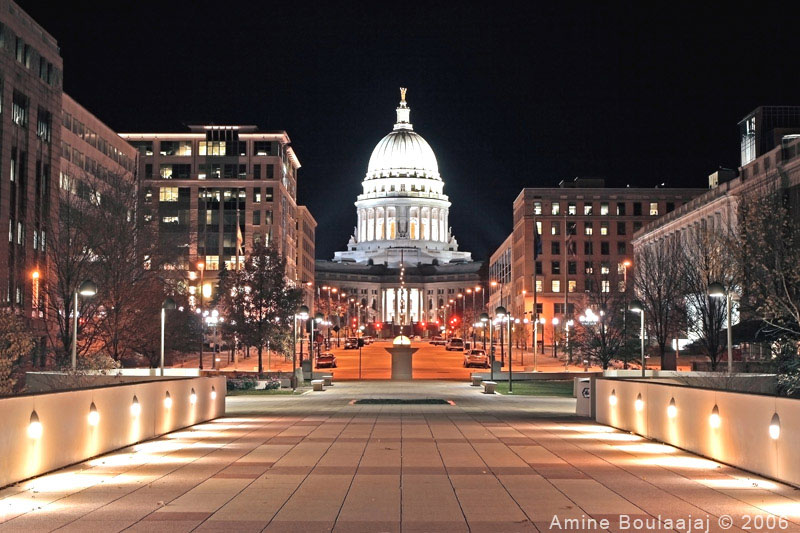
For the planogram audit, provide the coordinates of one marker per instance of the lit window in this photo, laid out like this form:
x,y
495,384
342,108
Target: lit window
x,y
606,287
604,269
212,262
537,208
170,220
168,194
620,269
572,208
604,228
555,285
621,286
603,208
653,208
587,228
572,284
539,285
555,228
555,208
587,209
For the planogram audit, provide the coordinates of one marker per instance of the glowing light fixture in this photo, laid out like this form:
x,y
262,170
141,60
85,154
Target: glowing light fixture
x,y
714,420
34,427
167,400
213,393
672,409
774,427
639,403
193,397
136,408
94,415
612,400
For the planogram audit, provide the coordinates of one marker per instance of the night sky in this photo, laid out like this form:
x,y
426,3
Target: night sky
x,y
507,97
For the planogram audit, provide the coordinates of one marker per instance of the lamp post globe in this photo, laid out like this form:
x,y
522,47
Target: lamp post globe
x,y
302,312
88,288
500,312
716,290
167,305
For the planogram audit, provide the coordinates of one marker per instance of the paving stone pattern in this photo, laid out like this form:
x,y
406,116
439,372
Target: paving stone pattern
x,y
319,462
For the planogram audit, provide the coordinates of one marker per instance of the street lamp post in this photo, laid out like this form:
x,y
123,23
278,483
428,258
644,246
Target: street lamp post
x,y
637,307
202,268
568,324
302,314
625,264
717,290
168,305
502,315
86,289
484,320
555,323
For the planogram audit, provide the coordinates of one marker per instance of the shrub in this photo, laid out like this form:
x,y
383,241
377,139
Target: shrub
x,y
241,383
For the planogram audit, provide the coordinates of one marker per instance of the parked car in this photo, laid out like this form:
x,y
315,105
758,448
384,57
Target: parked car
x,y
351,343
326,360
438,341
476,358
455,343
416,338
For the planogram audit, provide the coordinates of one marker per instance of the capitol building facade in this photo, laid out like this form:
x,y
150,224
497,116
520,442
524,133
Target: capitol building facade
x,y
402,266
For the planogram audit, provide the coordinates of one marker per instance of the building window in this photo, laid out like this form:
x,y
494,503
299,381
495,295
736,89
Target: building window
x,y
572,228
621,248
212,262
148,170
19,109
605,285
587,209
257,172
256,218
170,220
256,195
555,267
637,209
555,248
555,228
555,285
212,148
637,226
168,194
588,248
268,196
604,208
180,148
620,209
587,228
539,268
262,148
620,228
572,268
572,285
572,208
44,125
148,195
605,269
270,172
555,208
537,208
588,267
539,286
604,248
653,209
604,228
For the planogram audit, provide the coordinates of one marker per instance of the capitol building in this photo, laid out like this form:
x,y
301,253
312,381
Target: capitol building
x,y
402,265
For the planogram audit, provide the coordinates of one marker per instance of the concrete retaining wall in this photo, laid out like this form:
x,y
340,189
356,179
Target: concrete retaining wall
x,y
67,437
742,438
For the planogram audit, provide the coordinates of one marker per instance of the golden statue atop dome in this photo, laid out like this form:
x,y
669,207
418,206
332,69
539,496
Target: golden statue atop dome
x,y
403,94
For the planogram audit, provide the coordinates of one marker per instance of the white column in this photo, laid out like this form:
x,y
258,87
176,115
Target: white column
x,y
396,305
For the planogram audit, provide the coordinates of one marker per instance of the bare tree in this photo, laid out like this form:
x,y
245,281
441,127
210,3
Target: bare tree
x,y
707,257
658,283
260,303
599,333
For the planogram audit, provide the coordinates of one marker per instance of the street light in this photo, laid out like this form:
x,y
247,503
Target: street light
x,y
168,305
484,319
555,323
717,290
318,319
302,314
502,314
201,267
637,307
87,289
568,324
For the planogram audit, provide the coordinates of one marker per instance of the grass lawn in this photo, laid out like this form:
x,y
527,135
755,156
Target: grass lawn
x,y
537,388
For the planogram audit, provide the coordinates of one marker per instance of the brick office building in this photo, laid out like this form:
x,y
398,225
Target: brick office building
x,y
584,234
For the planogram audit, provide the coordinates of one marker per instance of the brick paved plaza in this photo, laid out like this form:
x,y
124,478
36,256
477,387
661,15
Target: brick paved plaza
x,y
318,462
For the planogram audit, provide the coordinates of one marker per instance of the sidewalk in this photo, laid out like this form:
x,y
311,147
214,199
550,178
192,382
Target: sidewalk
x,y
320,462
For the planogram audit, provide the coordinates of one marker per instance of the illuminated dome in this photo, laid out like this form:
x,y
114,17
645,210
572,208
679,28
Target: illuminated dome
x,y
403,153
